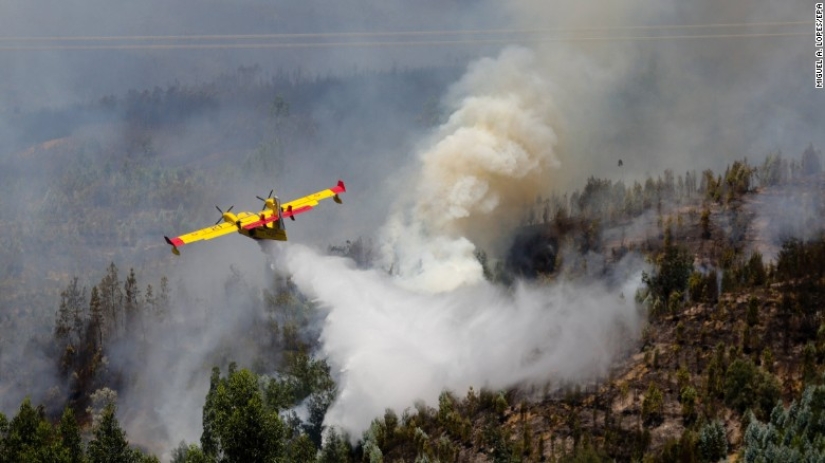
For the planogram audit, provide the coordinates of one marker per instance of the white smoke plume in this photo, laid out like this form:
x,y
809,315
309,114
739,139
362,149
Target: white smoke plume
x,y
393,346
435,323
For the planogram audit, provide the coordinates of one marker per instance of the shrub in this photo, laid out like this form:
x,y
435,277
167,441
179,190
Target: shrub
x,y
748,386
653,405
713,443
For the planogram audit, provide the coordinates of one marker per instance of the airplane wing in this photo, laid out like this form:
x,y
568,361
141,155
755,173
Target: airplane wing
x,y
209,233
299,206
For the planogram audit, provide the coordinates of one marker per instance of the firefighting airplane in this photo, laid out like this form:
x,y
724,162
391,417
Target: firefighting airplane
x,y
265,225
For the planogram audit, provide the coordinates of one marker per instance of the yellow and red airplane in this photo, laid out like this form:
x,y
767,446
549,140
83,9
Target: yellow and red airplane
x,y
265,225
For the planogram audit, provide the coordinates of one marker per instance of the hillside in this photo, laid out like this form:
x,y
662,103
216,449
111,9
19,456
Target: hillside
x,y
743,335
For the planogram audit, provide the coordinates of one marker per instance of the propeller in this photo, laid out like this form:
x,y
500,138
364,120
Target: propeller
x,y
264,199
219,210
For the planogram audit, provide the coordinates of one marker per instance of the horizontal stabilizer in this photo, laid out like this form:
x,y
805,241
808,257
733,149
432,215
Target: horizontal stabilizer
x,y
174,242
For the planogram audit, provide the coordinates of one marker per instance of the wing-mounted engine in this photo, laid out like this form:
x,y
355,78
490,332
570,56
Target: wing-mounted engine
x,y
228,216
270,202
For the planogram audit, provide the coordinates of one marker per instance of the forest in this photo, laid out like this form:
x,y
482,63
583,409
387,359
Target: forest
x,y
729,362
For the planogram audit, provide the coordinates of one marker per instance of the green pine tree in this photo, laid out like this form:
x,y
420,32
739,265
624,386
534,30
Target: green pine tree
x,y
69,434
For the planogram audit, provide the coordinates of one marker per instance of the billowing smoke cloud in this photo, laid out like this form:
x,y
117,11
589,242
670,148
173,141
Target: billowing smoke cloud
x,y
495,151
494,154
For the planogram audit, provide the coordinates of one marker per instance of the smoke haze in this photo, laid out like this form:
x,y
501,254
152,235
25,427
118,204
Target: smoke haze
x,y
655,102
521,122
678,104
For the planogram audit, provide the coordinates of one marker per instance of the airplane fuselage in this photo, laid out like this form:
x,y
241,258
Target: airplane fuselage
x,y
272,231
265,233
